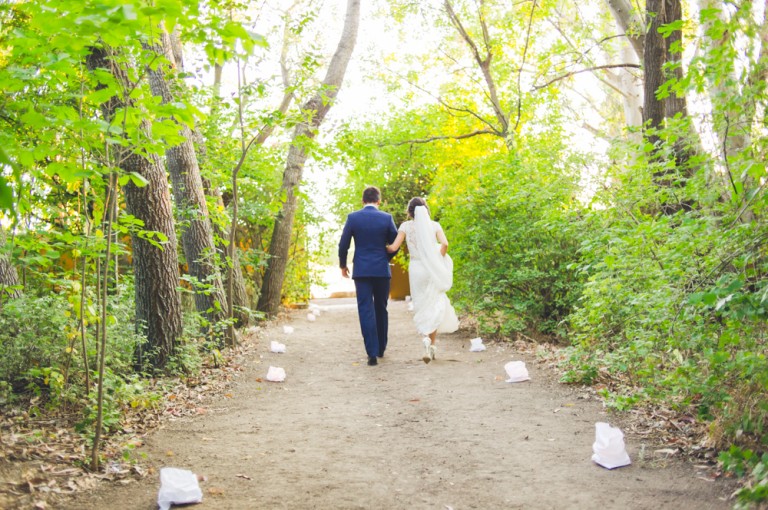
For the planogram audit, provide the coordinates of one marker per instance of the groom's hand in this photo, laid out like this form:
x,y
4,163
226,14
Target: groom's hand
x,y
345,272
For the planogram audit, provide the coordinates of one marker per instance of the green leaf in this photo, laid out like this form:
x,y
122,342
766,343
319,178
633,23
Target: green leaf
x,y
137,179
6,193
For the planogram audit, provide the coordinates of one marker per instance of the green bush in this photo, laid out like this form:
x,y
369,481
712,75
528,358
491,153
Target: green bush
x,y
510,223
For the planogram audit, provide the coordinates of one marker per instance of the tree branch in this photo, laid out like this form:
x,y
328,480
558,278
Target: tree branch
x,y
445,104
444,137
587,70
522,64
484,63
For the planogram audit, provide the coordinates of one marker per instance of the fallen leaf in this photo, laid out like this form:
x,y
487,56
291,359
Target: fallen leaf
x,y
215,491
244,476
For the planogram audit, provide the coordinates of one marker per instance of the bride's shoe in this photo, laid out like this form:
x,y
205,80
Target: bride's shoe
x,y
427,351
432,351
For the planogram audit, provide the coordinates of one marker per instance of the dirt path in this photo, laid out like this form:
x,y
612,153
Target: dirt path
x,y
338,434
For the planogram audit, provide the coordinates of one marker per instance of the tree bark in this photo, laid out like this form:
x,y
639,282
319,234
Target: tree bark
x,y
192,209
315,110
156,268
8,275
658,52
654,59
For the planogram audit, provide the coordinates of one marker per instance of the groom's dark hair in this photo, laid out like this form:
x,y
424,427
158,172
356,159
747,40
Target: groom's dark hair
x,y
371,195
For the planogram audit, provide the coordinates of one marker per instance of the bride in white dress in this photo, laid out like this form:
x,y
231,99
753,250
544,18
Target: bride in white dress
x,y
430,274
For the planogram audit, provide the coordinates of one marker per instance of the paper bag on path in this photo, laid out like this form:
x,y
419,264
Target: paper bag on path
x,y
275,346
608,448
477,345
276,374
516,371
178,487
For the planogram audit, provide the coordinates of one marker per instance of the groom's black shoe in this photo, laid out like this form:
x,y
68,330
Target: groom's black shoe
x,y
372,361
381,355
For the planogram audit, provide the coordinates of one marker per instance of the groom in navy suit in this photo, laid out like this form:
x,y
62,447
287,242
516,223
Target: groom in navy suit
x,y
372,231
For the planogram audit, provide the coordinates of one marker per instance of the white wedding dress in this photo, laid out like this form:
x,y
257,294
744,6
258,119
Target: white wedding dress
x,y
430,275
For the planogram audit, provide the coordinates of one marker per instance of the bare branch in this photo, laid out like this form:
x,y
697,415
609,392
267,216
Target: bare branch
x,y
522,64
587,70
446,105
444,137
288,95
484,63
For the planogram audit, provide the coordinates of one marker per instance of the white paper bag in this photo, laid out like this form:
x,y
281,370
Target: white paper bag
x,y
287,330
311,317
276,374
608,448
516,371
275,346
178,487
477,345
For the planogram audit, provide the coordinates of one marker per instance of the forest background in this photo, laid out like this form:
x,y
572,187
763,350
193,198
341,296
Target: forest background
x,y
598,167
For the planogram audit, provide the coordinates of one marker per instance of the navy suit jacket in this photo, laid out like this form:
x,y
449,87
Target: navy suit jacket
x,y
372,231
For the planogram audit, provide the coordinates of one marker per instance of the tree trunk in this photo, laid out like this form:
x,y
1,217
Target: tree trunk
x,y
630,24
658,52
8,275
654,59
632,52
675,103
191,207
156,268
315,110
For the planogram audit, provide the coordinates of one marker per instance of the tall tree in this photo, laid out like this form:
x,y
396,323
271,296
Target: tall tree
x,y
9,278
192,209
630,86
659,50
314,112
155,263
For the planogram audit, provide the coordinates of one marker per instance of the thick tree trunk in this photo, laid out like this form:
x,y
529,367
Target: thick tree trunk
x,y
632,52
658,52
315,110
674,104
156,268
191,207
8,275
654,59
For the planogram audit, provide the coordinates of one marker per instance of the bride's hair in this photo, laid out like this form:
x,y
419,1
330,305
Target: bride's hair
x,y
415,202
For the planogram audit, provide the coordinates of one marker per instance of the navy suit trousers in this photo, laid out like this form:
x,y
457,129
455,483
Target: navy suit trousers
x,y
372,296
